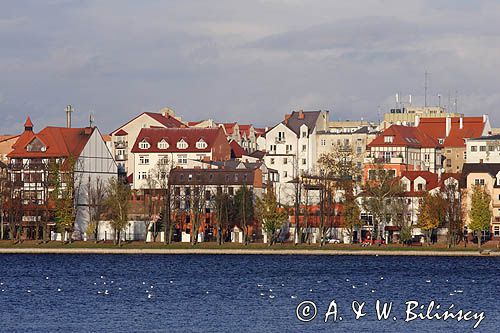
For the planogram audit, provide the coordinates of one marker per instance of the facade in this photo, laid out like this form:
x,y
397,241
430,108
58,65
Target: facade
x,y
408,115
123,138
216,178
405,148
6,143
29,168
291,148
487,175
171,147
484,149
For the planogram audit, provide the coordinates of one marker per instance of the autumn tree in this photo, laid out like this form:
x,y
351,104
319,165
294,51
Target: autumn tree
x,y
352,218
431,212
197,203
270,215
480,212
222,206
117,204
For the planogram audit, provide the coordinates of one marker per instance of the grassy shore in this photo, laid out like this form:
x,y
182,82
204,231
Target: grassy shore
x,y
232,248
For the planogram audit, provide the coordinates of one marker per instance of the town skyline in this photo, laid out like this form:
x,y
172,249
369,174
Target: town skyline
x,y
220,60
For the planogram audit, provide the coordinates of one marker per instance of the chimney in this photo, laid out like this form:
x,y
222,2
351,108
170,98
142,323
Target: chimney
x,y
28,125
461,122
417,120
287,116
69,110
301,114
448,125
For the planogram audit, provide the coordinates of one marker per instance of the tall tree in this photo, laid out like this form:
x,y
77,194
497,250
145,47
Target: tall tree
x,y
244,209
352,218
197,210
222,205
430,214
96,193
454,211
270,215
117,204
480,212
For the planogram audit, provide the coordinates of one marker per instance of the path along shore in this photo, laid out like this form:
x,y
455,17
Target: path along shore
x,y
248,252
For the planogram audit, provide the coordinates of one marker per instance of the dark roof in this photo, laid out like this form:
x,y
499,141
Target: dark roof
x,y
220,177
259,154
491,137
299,118
365,130
490,168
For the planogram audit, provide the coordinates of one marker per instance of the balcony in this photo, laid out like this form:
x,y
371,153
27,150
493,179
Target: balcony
x,y
121,157
279,140
121,144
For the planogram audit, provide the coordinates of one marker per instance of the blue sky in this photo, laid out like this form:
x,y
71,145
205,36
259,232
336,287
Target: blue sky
x,y
248,61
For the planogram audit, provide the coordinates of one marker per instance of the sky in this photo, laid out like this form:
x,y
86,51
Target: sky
x,y
250,61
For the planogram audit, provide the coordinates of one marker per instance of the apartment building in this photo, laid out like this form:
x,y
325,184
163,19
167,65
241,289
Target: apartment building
x,y
484,149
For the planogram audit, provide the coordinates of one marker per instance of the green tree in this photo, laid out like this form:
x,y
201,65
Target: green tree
x,y
270,215
117,204
430,214
244,209
480,212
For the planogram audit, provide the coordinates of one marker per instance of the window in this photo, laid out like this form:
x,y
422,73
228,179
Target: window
x,y
448,163
304,147
479,181
272,161
496,230
182,144
387,156
230,191
201,144
388,139
142,175
281,136
288,148
163,144
182,159
144,159
359,150
272,148
465,155
285,174
473,148
323,142
144,144
304,161
491,148
482,148
285,160
421,187
304,134
427,157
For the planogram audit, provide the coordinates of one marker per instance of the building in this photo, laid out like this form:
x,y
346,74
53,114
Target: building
x,y
408,115
124,136
483,149
30,172
403,148
216,178
6,142
452,134
487,175
291,148
171,147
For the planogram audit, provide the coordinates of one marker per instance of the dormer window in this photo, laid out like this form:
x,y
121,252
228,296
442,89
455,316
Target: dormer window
x,y
201,144
36,145
388,139
181,144
163,144
144,144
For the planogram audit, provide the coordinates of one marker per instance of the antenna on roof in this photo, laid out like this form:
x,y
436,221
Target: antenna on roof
x,y
456,101
69,110
91,120
425,89
439,100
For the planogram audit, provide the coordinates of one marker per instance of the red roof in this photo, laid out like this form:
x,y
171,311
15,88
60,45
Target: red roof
x,y
167,121
236,150
436,128
404,136
431,179
245,129
229,127
174,135
121,132
28,122
58,142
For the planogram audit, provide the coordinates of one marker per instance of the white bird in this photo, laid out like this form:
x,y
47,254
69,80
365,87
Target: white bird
x,y
102,277
373,290
446,280
270,290
59,289
150,296
119,288
104,283
459,291
143,282
3,290
112,281
152,287
259,285
353,287
310,290
95,283
261,294
451,294
29,291
106,292
171,281
381,278
428,281
99,292
293,296
271,296
46,278
347,280
1,283
366,284
207,292
282,285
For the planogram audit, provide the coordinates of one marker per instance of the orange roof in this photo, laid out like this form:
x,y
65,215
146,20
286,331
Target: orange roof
x,y
236,150
404,136
436,128
7,137
58,142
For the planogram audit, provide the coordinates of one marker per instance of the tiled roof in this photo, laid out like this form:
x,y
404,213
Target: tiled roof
x,y
436,128
174,135
298,118
59,142
167,121
7,137
404,136
121,132
236,150
431,179
490,168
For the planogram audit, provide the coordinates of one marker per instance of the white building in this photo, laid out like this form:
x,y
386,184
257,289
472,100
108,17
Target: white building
x,y
485,149
179,147
291,148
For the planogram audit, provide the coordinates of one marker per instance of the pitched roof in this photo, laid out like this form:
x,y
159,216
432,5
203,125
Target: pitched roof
x,y
298,118
431,179
490,168
236,150
121,132
7,137
174,135
404,136
436,128
58,142
166,120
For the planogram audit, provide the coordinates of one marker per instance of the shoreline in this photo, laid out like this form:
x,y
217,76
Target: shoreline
x,y
425,253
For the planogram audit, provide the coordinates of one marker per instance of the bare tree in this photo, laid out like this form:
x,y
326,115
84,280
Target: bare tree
x,y
96,192
117,204
197,210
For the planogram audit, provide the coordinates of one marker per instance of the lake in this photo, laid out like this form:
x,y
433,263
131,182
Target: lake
x,y
244,293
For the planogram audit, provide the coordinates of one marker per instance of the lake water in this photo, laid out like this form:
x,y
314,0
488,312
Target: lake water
x,y
238,293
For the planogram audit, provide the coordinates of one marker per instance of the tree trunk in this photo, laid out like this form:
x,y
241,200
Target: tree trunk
x,y
479,236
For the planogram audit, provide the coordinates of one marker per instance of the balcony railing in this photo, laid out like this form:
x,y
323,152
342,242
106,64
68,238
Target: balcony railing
x,y
121,144
279,140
